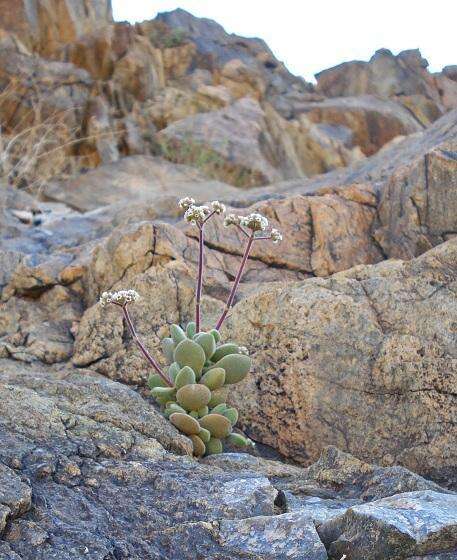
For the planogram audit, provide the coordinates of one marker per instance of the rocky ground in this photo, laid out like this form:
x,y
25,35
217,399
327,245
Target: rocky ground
x,y
351,322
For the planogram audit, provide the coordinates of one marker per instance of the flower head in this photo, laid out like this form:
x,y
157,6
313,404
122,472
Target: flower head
x,y
218,207
122,297
186,202
232,220
254,222
243,350
275,235
196,214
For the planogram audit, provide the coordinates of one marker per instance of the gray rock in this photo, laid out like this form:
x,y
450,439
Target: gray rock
x,y
95,455
410,524
15,495
291,536
317,509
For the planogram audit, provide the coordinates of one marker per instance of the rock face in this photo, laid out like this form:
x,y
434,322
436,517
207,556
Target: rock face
x,y
44,24
364,360
142,90
111,477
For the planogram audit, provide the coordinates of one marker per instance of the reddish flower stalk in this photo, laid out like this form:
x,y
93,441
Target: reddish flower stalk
x,y
201,264
143,348
198,294
231,297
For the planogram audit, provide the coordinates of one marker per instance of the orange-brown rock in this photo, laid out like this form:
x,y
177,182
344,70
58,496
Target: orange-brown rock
x,y
35,88
369,122
364,359
44,25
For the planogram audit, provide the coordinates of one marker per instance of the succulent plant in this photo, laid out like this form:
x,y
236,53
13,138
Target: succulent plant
x,y
196,403
194,390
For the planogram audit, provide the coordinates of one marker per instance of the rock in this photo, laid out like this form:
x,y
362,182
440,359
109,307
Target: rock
x,y
15,496
245,145
401,157
450,72
448,91
291,535
418,207
226,142
49,88
364,354
352,478
334,482
139,72
43,26
385,75
372,121
413,523
323,233
99,438
137,179
174,104
245,66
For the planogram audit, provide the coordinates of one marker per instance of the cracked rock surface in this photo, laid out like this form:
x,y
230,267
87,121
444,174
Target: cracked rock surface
x,y
89,469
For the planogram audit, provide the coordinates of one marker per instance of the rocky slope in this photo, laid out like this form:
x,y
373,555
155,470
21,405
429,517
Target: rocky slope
x,y
351,321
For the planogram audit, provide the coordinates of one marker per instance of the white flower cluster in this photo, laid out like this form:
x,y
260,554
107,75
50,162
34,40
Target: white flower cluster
x,y
243,350
186,203
121,298
275,235
196,214
232,220
254,222
218,207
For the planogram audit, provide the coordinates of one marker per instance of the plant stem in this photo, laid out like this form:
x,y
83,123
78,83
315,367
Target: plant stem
x,y
201,249
237,281
198,295
143,348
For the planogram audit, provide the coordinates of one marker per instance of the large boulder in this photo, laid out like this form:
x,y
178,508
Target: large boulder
x,y
364,360
68,437
385,75
323,233
247,145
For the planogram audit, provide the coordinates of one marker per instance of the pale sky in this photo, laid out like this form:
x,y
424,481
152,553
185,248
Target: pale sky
x,y
309,36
